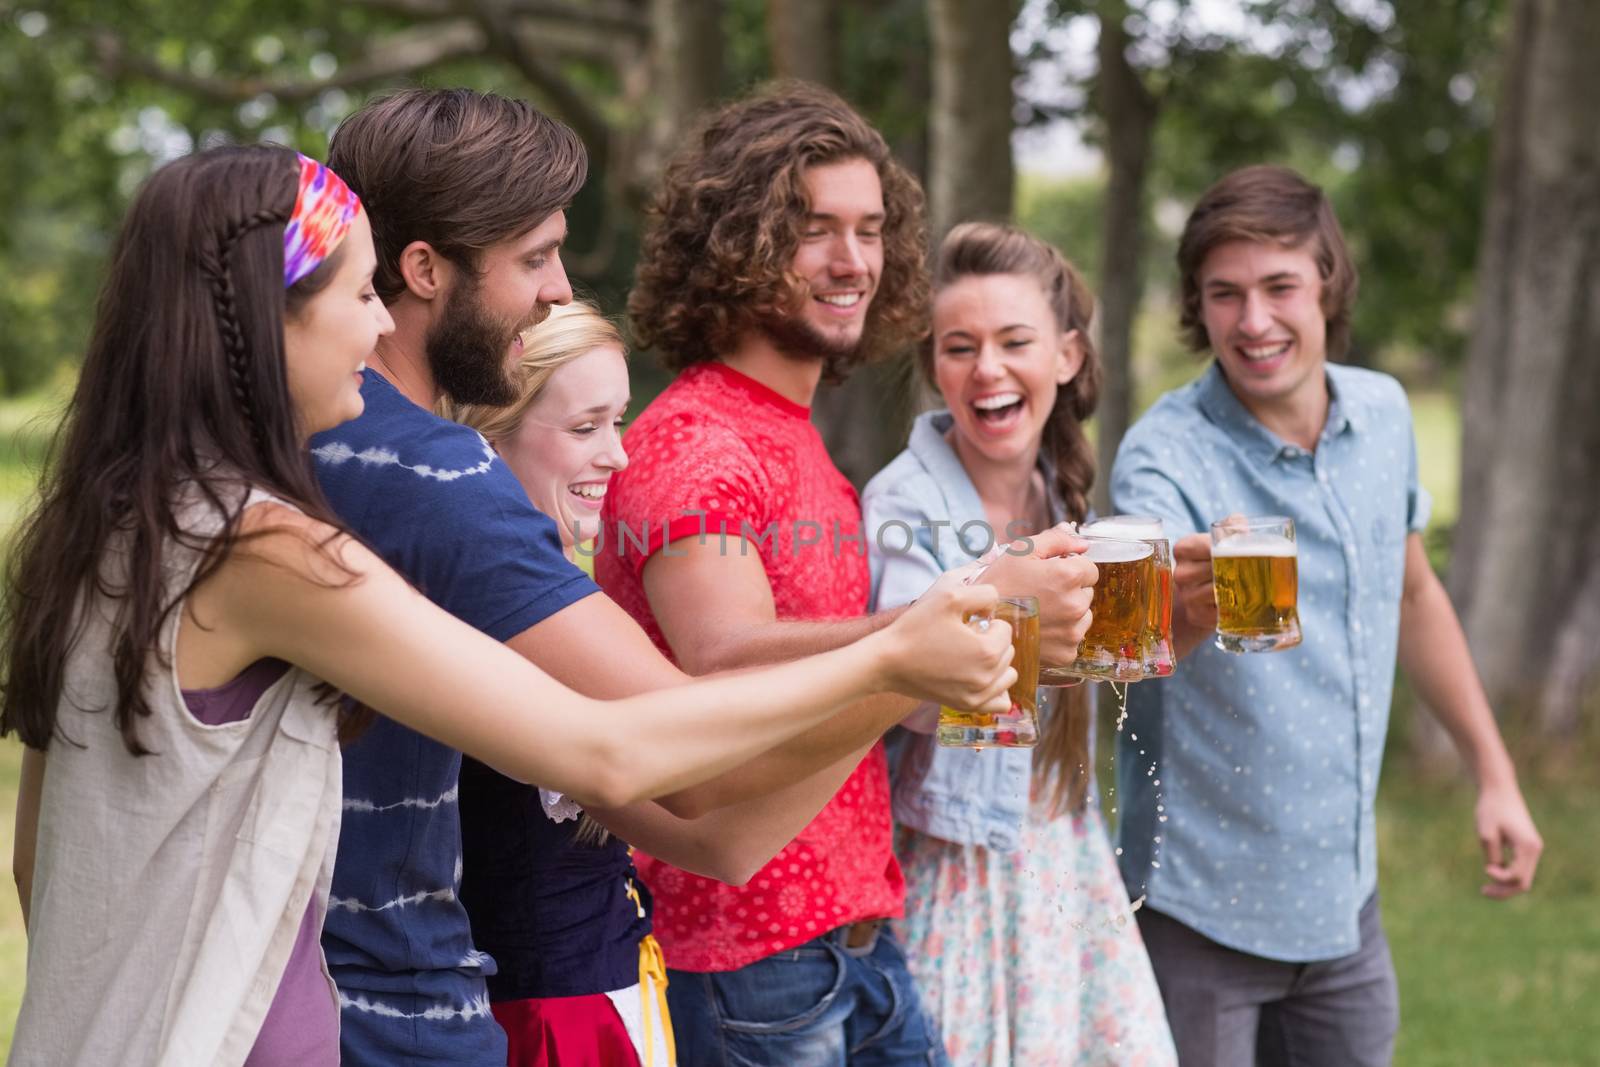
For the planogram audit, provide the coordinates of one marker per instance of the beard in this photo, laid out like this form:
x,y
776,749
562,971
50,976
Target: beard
x,y
799,340
467,347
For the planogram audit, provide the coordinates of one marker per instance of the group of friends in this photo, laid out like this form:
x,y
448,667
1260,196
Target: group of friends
x,y
335,754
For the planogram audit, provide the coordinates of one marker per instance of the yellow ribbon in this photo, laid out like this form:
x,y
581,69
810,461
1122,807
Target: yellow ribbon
x,y
653,976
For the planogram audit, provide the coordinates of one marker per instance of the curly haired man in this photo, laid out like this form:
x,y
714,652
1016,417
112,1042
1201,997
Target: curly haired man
x,y
786,247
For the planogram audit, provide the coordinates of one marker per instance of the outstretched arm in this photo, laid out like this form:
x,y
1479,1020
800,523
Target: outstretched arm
x,y
370,634
726,828
1434,653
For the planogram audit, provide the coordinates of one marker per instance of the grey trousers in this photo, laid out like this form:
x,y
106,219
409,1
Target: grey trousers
x,y
1230,1009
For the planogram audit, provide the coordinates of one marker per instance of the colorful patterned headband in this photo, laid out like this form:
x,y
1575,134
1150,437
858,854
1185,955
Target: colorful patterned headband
x,y
323,211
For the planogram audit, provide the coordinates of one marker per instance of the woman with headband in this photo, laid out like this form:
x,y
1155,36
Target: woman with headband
x,y
182,610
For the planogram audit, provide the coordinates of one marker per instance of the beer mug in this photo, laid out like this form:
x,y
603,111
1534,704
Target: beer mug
x,y
1254,566
1113,649
1018,727
1159,658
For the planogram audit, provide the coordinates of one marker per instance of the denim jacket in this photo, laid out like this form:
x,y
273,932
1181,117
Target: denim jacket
x,y
922,517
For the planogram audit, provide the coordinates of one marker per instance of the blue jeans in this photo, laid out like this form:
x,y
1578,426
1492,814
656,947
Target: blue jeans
x,y
817,1005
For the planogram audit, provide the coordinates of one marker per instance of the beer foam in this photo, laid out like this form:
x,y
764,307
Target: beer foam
x,y
1255,544
1117,550
1127,528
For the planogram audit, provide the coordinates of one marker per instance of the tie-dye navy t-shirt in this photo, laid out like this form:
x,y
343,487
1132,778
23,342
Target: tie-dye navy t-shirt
x,y
439,506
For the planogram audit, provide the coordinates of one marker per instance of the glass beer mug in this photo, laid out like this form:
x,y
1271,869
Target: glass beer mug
x,y
1018,727
1113,649
1255,569
1159,658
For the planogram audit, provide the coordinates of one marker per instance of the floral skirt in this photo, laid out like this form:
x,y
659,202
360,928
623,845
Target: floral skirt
x,y
1032,957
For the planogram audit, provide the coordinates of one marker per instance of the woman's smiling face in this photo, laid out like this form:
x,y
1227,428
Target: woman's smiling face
x,y
999,358
569,442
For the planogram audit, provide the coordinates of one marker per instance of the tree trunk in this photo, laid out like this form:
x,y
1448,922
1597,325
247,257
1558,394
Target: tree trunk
x,y
864,421
688,46
1129,113
1526,569
803,36
970,174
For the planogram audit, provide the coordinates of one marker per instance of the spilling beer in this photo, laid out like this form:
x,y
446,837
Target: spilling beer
x,y
1156,641
1254,566
1019,726
1113,649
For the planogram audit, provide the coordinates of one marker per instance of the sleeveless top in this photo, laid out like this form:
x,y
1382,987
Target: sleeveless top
x,y
169,888
302,1025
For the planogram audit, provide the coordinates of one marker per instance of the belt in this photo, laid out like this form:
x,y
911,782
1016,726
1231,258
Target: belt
x,y
859,936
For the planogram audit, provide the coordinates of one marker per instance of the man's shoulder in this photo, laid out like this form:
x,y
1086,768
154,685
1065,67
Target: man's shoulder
x,y
394,440
404,478
1370,389
390,422
1174,416
688,418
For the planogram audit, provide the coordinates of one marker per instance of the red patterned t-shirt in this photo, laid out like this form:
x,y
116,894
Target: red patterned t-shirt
x,y
719,452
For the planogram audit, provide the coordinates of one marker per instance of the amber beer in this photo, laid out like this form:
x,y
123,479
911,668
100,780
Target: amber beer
x,y
1159,658
1019,727
1254,567
1113,649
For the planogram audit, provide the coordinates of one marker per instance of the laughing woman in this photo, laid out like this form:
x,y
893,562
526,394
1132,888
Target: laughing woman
x,y
1017,924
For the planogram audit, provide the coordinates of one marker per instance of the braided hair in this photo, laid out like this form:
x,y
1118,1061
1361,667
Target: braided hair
x,y
214,262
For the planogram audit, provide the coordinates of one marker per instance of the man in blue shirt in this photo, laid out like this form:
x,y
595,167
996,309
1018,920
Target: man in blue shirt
x,y
1247,782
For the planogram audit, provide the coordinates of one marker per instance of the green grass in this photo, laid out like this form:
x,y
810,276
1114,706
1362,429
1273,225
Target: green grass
x,y
25,426
1436,419
1488,982
1482,983
13,942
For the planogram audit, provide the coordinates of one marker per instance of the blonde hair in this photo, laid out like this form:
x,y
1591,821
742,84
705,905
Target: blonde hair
x,y
570,331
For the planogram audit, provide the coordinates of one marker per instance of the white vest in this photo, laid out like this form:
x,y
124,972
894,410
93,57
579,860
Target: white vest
x,y
168,889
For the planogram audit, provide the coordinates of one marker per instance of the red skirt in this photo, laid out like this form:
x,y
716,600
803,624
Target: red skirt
x,y
565,1032
589,1030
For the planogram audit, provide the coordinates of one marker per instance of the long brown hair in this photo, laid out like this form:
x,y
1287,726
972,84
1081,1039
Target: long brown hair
x,y
979,249
183,389
727,220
